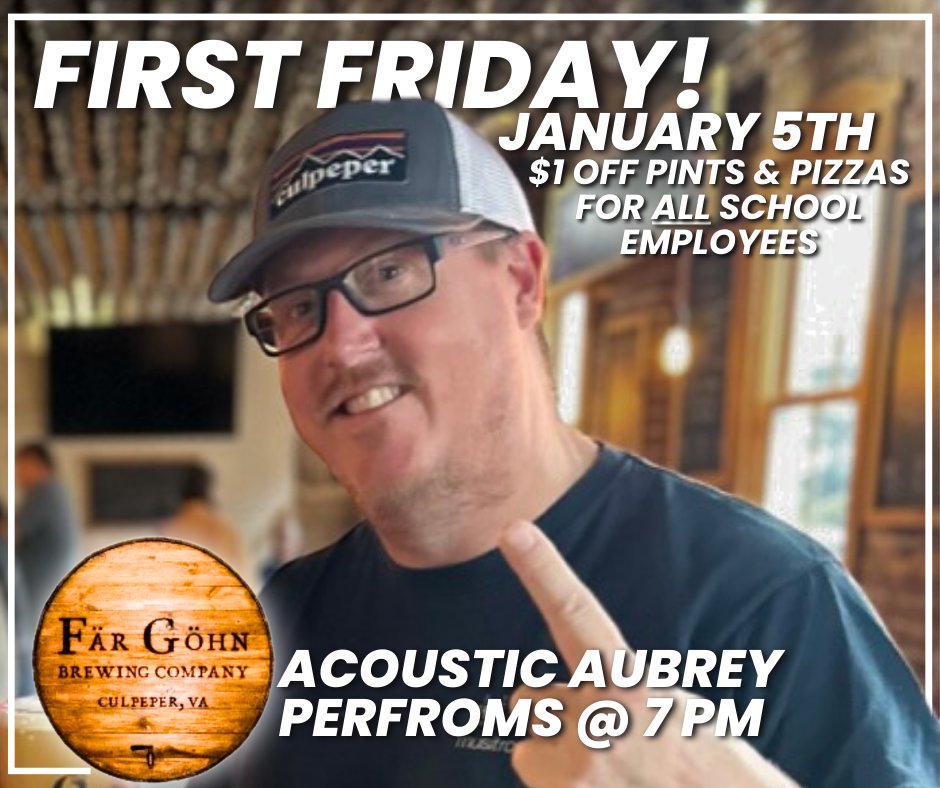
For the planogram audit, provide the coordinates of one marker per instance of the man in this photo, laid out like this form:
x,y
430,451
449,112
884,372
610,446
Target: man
x,y
46,546
397,277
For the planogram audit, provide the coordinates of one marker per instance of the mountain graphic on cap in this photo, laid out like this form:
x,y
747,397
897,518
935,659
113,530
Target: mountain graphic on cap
x,y
406,165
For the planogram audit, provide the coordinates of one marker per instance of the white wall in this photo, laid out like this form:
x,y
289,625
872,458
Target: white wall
x,y
254,466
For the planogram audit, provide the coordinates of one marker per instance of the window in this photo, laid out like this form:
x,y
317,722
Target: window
x,y
572,318
812,424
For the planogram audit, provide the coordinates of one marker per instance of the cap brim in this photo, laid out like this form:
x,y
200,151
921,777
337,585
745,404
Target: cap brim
x,y
236,277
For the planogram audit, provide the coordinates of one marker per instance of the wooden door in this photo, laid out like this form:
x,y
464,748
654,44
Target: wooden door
x,y
619,370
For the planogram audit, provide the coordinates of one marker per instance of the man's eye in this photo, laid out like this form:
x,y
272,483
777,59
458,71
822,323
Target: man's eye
x,y
389,271
300,310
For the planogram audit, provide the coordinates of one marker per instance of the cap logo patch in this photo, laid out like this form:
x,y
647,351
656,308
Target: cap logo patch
x,y
343,158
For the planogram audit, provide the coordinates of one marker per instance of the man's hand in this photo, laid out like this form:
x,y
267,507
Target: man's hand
x,y
577,623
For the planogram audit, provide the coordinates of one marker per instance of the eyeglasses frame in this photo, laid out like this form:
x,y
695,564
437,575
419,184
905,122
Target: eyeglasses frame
x,y
432,245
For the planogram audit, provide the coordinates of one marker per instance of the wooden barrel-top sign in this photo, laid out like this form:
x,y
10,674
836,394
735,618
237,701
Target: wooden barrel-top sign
x,y
152,660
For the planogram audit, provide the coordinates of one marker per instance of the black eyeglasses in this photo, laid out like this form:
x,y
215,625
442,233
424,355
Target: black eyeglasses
x,y
386,280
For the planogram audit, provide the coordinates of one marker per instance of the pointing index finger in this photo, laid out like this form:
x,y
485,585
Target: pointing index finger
x,y
575,618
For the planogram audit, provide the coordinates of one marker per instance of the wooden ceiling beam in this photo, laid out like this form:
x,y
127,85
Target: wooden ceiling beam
x,y
214,235
50,240
83,251
28,253
120,228
25,294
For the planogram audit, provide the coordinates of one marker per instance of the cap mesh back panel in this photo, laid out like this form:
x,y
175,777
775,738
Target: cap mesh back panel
x,y
487,186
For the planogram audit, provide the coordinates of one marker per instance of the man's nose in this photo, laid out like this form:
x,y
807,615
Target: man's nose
x,y
348,334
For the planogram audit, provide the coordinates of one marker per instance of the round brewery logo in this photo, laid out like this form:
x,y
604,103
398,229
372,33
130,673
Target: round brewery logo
x,y
153,660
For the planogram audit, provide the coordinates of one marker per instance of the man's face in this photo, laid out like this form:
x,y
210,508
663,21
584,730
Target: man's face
x,y
29,472
397,402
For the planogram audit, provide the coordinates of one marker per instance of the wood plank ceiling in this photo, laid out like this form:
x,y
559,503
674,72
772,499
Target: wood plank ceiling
x,y
123,215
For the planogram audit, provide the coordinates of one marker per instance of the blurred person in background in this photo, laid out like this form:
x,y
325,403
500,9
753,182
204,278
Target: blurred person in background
x,y
198,521
4,581
23,641
284,541
46,533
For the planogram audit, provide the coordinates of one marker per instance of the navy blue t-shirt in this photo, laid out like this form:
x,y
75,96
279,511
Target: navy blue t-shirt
x,y
678,565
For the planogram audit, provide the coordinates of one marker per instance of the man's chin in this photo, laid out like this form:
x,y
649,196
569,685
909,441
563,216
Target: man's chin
x,y
389,501
386,473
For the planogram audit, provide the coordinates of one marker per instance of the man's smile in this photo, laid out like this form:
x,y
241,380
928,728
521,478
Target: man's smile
x,y
371,399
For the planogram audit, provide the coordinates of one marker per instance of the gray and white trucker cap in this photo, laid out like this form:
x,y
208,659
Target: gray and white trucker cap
x,y
394,165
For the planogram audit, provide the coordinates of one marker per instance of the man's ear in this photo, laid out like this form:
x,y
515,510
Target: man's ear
x,y
528,266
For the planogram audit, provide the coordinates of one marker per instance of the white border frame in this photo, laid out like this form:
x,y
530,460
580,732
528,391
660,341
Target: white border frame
x,y
12,19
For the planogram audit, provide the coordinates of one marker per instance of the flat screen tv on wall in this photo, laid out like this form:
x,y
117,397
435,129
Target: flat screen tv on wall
x,y
144,379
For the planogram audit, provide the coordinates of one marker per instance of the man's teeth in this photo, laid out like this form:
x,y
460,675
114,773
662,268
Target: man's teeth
x,y
373,398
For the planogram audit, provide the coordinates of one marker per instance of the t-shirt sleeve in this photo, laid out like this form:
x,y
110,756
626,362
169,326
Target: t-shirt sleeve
x,y
842,707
